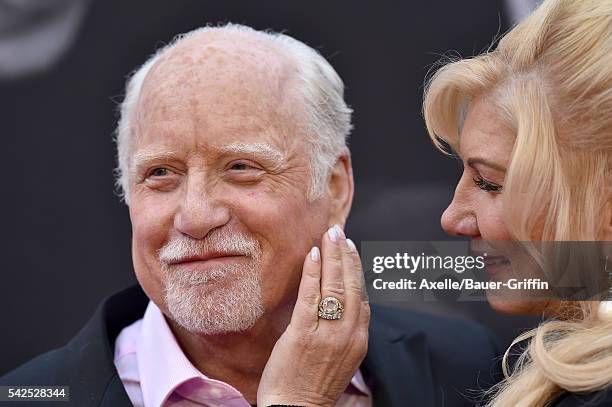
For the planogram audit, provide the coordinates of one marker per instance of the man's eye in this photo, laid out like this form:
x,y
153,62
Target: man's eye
x,y
159,172
486,185
240,167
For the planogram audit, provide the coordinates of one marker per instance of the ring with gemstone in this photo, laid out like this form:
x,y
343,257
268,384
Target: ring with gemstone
x,y
330,308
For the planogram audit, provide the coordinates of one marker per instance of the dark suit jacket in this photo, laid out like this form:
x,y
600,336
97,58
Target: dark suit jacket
x,y
413,359
595,399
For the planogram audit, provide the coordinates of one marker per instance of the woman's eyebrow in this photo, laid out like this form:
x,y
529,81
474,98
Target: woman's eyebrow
x,y
478,160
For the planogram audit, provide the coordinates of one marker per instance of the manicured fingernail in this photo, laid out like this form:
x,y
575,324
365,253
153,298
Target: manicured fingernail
x,y
315,254
333,234
339,230
350,244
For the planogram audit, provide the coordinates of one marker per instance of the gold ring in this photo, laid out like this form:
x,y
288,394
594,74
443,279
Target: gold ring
x,y
330,308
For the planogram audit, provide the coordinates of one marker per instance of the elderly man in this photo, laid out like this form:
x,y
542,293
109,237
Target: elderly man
x,y
233,162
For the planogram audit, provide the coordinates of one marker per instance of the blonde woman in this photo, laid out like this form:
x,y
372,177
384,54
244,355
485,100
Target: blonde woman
x,y
532,123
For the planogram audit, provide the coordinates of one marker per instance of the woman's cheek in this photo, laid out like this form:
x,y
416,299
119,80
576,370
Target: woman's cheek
x,y
491,222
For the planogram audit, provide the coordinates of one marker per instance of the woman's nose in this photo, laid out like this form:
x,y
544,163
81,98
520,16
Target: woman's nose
x,y
459,220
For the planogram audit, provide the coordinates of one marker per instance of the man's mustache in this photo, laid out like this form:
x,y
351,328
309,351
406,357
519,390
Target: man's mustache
x,y
216,243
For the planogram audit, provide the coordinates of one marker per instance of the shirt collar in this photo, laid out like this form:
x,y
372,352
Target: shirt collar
x,y
162,364
359,383
164,368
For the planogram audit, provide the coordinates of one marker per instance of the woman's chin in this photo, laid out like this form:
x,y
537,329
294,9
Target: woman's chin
x,y
515,306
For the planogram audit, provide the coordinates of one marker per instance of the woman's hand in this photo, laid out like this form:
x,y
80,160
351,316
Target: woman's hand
x,y
314,360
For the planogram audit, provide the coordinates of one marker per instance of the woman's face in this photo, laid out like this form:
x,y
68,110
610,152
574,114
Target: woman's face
x,y
476,211
484,147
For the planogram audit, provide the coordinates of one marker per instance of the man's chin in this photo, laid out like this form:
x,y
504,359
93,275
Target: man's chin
x,y
209,288
216,307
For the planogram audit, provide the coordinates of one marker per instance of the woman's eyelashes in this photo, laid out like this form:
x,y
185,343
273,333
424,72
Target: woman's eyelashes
x,y
487,185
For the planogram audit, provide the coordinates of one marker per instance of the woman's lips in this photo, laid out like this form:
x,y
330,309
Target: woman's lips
x,y
496,265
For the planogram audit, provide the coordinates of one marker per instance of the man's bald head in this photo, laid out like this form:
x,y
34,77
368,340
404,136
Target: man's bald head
x,y
265,68
224,76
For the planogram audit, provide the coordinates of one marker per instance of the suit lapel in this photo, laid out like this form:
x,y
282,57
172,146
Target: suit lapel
x,y
93,366
120,311
115,395
398,366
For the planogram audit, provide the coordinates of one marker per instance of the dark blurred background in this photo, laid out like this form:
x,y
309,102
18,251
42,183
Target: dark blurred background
x,y
66,240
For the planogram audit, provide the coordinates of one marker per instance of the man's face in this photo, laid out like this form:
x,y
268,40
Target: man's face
x,y
219,179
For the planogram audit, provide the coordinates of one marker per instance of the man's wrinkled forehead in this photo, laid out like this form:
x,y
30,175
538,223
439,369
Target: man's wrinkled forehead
x,y
219,68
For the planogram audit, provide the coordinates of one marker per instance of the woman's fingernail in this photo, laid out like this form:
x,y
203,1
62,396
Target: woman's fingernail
x,y
333,234
350,244
339,230
315,254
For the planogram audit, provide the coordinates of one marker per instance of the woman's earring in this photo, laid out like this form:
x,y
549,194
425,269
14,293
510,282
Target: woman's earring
x,y
605,307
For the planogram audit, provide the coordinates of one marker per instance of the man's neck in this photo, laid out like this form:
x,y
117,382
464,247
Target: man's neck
x,y
235,358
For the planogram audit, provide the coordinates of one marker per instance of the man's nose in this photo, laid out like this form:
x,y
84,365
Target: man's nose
x,y
200,212
459,219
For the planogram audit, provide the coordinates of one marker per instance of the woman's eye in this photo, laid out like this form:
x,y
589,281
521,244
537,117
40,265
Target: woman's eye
x,y
486,185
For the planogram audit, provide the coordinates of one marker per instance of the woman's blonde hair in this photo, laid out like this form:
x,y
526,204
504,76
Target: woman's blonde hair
x,y
550,79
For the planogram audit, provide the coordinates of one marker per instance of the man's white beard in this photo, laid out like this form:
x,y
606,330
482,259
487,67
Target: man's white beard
x,y
236,305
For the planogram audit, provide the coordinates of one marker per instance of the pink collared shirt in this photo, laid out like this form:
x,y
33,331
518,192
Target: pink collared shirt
x,y
156,373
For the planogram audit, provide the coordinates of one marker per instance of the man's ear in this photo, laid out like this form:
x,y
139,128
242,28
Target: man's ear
x,y
341,189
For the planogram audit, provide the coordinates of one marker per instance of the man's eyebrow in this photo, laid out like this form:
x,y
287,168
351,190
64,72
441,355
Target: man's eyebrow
x,y
260,149
477,160
142,157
